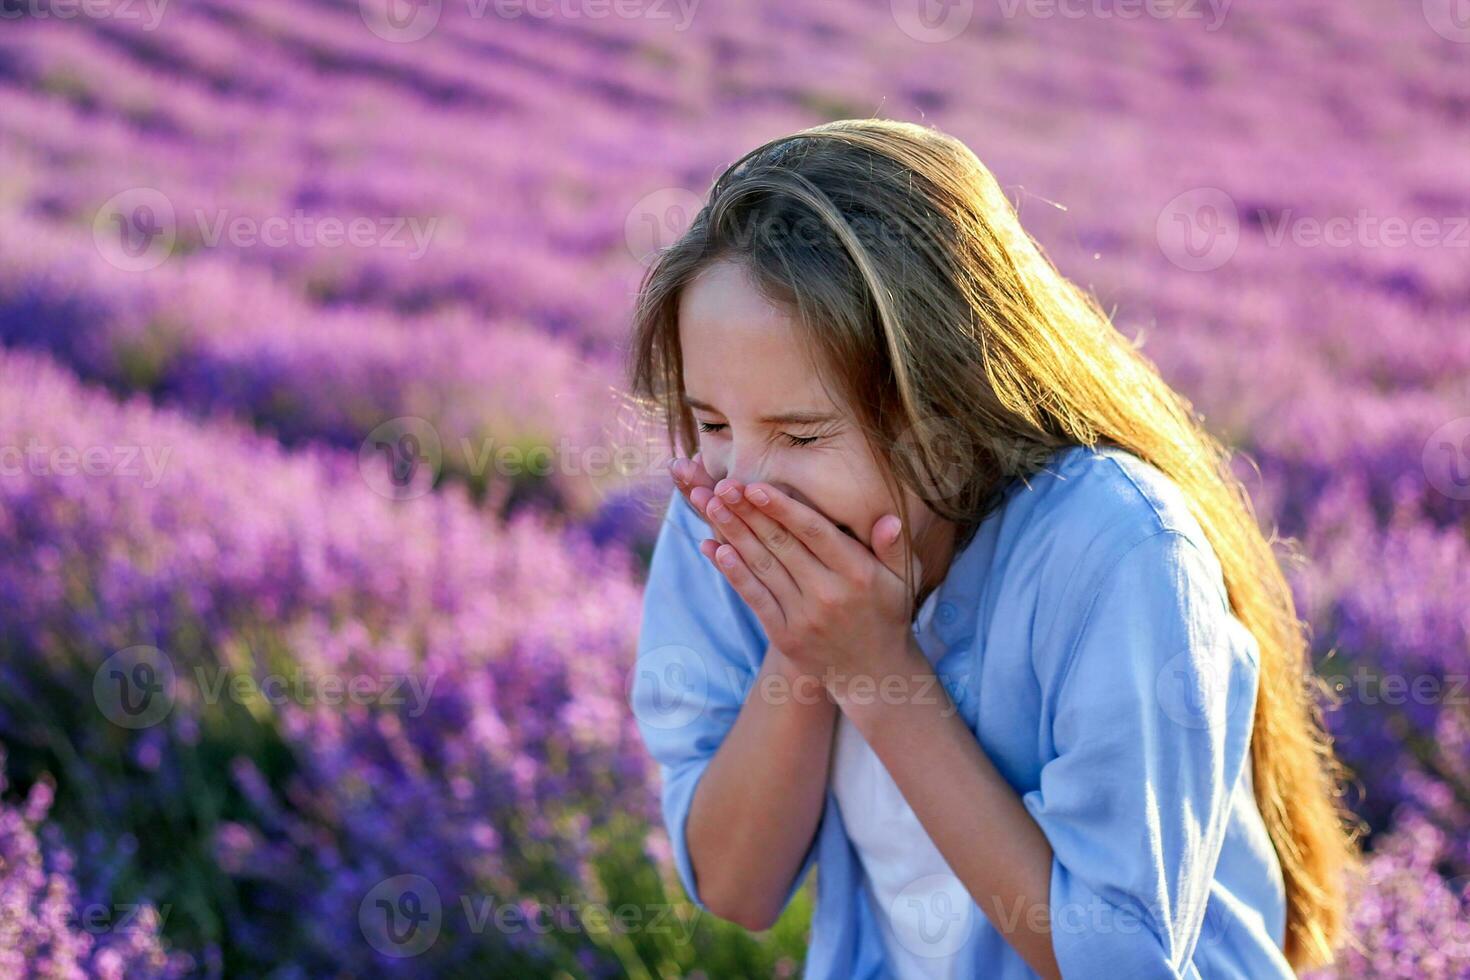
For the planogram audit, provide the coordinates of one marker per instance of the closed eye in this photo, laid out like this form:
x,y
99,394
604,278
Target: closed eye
x,y
794,440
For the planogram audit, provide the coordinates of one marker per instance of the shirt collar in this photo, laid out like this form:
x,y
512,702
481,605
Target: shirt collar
x,y
956,613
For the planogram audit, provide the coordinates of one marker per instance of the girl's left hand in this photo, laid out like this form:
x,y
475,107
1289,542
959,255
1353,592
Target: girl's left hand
x,y
828,603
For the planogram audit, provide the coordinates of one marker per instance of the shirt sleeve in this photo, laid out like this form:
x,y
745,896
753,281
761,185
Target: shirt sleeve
x,y
1153,695
699,650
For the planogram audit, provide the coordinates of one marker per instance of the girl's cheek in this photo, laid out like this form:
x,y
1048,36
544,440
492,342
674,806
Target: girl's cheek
x,y
825,490
840,485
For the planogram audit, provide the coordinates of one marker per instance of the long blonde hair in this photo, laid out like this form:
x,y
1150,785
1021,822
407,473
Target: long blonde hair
x,y
943,325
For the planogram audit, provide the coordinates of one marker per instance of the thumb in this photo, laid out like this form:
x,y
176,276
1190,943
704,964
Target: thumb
x,y
887,541
888,548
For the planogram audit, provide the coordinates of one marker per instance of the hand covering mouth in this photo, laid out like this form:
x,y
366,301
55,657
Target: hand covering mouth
x,y
802,498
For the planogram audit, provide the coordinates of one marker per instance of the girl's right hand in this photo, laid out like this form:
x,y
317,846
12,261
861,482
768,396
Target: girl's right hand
x,y
697,486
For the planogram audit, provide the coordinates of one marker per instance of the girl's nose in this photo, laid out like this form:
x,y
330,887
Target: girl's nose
x,y
738,464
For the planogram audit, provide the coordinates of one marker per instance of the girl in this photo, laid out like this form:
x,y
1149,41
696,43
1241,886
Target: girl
x,y
986,631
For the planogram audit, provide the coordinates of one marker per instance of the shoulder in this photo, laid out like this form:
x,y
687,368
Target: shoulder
x,y
1088,507
1106,492
1091,516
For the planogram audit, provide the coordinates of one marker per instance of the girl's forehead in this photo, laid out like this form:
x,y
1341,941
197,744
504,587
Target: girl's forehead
x,y
751,372
724,296
742,354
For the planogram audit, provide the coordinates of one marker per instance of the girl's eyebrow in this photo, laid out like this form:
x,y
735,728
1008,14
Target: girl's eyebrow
x,y
780,418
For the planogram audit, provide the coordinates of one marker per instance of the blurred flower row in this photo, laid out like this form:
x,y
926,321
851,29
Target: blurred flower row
x,y
321,517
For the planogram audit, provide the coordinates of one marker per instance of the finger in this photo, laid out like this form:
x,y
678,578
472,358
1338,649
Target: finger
x,y
690,475
702,475
693,505
888,547
749,587
699,499
779,541
754,554
820,536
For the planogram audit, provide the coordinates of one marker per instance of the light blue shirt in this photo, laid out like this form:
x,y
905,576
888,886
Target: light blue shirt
x,y
1085,636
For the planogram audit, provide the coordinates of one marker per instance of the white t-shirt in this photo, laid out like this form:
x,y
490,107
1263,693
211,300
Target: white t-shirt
x,y
925,913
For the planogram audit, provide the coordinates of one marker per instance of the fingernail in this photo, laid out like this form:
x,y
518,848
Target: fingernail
x,y
726,556
731,493
719,512
759,496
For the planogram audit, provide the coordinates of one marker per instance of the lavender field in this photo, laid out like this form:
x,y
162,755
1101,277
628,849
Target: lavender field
x,y
323,521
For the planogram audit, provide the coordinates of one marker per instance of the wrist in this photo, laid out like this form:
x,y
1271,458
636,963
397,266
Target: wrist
x,y
784,678
905,677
